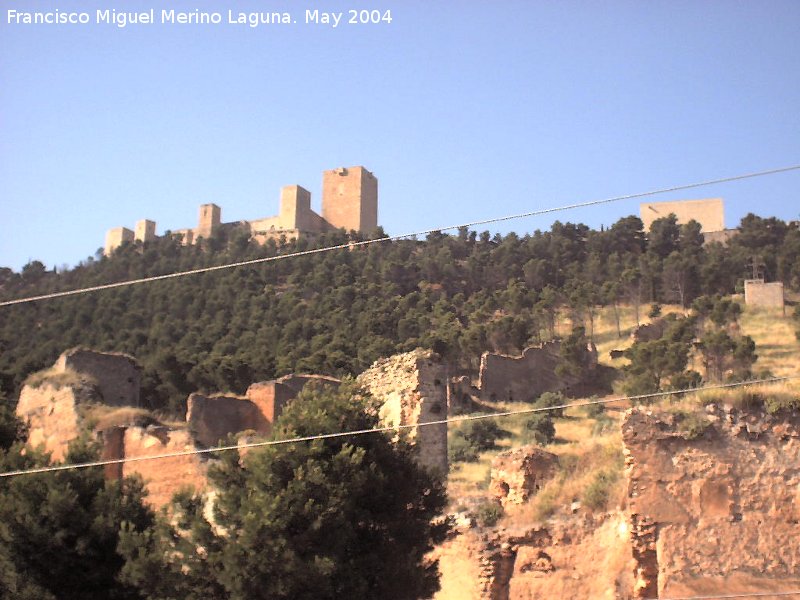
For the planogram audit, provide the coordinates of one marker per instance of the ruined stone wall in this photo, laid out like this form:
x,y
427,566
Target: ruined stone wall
x,y
212,419
162,477
522,378
413,389
759,293
51,412
708,212
117,376
720,512
579,557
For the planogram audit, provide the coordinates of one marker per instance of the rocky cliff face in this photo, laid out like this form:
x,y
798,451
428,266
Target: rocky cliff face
x,y
575,557
717,510
713,507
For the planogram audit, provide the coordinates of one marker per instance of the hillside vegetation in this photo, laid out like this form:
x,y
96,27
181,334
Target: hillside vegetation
x,y
336,312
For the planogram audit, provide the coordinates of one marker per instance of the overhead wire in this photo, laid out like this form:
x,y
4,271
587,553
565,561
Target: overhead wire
x,y
400,427
736,595
356,244
384,429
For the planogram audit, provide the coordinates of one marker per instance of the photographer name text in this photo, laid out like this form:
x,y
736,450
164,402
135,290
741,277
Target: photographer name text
x,y
122,19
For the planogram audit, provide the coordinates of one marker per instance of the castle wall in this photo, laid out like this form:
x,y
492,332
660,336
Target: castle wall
x,y
116,237
709,212
350,198
118,376
758,293
145,231
413,389
186,236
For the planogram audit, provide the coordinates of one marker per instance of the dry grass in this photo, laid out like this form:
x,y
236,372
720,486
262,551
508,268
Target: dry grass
x,y
774,396
100,417
590,473
774,335
591,463
58,379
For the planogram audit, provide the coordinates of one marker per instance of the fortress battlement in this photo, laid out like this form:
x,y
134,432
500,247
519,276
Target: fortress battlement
x,y
349,201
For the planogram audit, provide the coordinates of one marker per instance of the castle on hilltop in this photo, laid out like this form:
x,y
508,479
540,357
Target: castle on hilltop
x,y
349,201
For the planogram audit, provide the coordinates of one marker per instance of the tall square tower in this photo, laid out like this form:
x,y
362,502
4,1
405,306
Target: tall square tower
x,y
295,207
350,198
145,231
210,219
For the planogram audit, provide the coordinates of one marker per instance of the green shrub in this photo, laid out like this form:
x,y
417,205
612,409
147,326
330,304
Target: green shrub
x,y
546,502
538,428
692,425
460,449
603,425
549,399
482,433
594,411
489,513
777,402
595,496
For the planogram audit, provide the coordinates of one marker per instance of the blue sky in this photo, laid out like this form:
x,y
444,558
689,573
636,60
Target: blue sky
x,y
463,110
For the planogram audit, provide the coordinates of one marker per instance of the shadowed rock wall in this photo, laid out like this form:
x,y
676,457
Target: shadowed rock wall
x,y
711,510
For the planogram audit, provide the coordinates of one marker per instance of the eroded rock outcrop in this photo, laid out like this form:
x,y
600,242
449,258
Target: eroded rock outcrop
x,y
518,474
705,511
413,389
577,557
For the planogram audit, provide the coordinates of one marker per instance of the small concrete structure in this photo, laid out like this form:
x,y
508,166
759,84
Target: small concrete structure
x,y
759,293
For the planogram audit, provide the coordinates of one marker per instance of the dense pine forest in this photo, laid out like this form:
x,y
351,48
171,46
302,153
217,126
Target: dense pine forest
x,y
336,312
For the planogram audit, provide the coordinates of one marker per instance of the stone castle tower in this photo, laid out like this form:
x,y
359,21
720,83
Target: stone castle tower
x,y
349,201
210,219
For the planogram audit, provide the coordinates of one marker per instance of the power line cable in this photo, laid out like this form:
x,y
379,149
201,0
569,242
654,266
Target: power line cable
x,y
532,213
385,429
737,595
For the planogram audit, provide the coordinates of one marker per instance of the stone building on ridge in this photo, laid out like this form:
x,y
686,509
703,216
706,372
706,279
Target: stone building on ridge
x,y
349,201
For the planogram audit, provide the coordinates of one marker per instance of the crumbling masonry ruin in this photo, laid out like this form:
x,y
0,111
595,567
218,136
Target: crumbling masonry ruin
x,y
349,201
95,391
